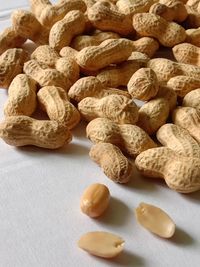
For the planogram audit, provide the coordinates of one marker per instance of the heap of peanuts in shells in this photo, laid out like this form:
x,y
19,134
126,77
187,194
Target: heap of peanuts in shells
x,y
92,59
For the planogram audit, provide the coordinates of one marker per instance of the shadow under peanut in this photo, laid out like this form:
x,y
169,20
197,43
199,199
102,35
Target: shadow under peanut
x,y
182,238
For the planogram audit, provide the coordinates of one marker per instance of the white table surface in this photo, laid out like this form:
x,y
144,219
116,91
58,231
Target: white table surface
x,y
40,220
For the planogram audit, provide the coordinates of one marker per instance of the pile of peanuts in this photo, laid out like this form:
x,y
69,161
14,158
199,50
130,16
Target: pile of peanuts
x,y
92,59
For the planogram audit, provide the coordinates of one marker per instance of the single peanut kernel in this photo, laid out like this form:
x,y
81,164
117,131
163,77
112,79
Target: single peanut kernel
x,y
155,220
95,200
101,244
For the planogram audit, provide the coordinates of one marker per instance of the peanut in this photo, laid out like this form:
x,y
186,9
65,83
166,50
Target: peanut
x,y
187,53
118,108
193,36
68,52
97,38
106,17
192,99
153,114
114,164
55,102
27,26
142,58
193,19
173,11
179,140
143,84
23,130
182,85
115,76
169,95
95,200
46,77
92,87
10,39
11,64
49,14
129,138
132,7
110,51
155,220
166,69
167,33
193,3
181,174
101,244
146,45
189,119
21,96
64,30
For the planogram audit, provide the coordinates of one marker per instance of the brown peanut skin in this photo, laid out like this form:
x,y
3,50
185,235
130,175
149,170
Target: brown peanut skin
x,y
129,138
187,53
189,119
11,64
182,85
116,76
167,33
143,84
97,38
55,102
27,26
10,39
181,174
153,114
166,69
46,77
111,51
92,87
21,96
106,17
192,99
114,164
179,140
64,30
118,108
23,130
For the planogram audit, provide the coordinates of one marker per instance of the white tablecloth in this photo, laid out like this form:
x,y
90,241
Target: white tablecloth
x,y
40,219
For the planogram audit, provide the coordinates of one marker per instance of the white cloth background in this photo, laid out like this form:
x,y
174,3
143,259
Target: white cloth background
x,y
40,220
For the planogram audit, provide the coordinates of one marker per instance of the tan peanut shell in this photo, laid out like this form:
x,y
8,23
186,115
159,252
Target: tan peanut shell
x,y
92,87
21,96
11,64
113,163
68,52
37,6
187,53
64,30
193,36
193,3
179,140
106,17
182,85
155,220
169,95
10,39
116,76
166,69
189,119
118,108
108,52
55,102
97,38
129,138
50,14
140,57
131,7
192,99
173,11
23,130
101,244
193,18
146,45
95,200
143,84
181,173
46,77
153,114
167,33
27,26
